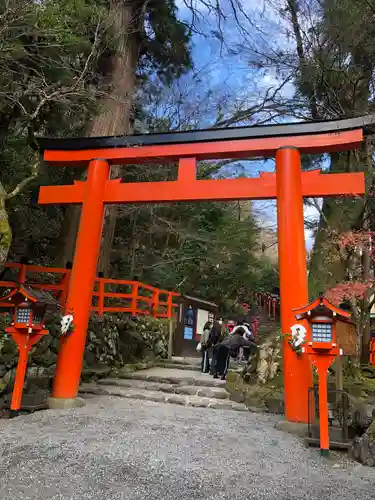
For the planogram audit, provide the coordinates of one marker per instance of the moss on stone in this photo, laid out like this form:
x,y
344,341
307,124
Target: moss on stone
x,y
262,396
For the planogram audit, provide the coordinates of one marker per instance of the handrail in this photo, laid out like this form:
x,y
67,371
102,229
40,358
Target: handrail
x,y
135,302
268,302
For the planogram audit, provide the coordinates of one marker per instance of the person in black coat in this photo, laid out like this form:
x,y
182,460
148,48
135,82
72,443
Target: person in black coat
x,y
225,348
205,345
216,336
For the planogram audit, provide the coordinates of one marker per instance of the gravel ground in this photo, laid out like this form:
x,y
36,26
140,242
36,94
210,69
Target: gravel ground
x,y
123,449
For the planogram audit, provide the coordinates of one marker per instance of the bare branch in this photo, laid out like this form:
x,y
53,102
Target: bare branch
x,y
25,182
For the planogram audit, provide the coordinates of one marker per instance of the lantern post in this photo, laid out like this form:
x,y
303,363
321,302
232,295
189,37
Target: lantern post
x,y
321,347
27,328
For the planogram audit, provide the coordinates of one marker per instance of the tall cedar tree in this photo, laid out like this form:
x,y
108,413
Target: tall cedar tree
x,y
148,40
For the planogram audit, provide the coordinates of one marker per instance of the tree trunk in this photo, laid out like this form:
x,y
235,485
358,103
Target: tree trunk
x,y
114,118
366,258
339,215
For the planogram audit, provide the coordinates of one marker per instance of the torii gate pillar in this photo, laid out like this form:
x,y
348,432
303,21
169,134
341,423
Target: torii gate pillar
x,y
293,277
70,358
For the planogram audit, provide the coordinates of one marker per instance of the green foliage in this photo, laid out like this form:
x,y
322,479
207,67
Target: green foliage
x,y
165,41
202,249
47,56
268,275
51,79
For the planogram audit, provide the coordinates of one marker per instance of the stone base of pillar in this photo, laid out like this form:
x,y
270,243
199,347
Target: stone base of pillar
x,y
65,404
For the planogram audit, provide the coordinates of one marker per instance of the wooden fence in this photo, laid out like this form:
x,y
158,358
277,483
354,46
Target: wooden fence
x,y
109,295
269,303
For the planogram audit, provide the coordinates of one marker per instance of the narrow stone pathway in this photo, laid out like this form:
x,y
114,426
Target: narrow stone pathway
x,y
176,381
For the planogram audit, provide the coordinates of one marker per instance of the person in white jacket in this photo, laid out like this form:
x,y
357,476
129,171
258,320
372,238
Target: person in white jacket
x,y
245,330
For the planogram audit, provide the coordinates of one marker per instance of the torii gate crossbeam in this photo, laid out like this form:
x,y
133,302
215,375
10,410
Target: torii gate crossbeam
x,y
289,185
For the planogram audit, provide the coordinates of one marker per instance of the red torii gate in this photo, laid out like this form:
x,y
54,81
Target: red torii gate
x,y
289,185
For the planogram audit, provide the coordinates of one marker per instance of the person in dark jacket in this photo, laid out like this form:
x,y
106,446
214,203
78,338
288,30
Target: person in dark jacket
x,y
205,338
216,336
225,348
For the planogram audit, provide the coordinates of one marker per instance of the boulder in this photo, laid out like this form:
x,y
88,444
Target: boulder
x,y
362,415
268,361
363,448
275,404
8,352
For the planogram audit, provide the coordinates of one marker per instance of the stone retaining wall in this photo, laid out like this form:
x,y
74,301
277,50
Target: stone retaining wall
x,y
112,341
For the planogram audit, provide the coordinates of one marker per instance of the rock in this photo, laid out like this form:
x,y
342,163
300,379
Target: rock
x,y
55,345
9,376
269,357
3,385
362,414
50,371
89,358
42,346
9,352
275,404
35,371
46,358
159,348
363,448
237,397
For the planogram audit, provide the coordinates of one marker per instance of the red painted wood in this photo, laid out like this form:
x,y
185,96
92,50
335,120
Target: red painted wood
x,y
242,148
314,184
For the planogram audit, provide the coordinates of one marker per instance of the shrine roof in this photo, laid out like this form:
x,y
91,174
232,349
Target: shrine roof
x,y
39,295
32,294
366,123
320,306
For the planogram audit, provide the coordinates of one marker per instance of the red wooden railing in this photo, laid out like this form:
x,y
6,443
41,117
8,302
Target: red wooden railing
x,y
269,303
109,295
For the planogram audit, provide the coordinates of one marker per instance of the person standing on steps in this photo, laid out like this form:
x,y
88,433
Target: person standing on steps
x,y
205,337
230,344
216,337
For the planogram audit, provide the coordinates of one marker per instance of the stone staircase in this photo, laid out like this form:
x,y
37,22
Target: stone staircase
x,y
176,381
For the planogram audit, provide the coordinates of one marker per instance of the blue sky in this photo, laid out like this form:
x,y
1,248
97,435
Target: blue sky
x,y
235,84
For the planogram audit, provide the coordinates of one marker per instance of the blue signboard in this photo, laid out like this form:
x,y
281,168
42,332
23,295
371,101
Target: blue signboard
x,y
188,333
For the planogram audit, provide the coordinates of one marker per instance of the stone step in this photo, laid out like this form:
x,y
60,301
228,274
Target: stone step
x,y
174,376
165,364
189,390
160,397
176,360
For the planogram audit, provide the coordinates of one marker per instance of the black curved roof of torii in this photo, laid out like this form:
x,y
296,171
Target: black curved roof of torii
x,y
367,123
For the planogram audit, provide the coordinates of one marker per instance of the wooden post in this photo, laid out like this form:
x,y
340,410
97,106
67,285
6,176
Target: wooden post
x,y
155,307
339,373
64,283
101,297
24,341
170,338
323,412
135,291
20,377
22,272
